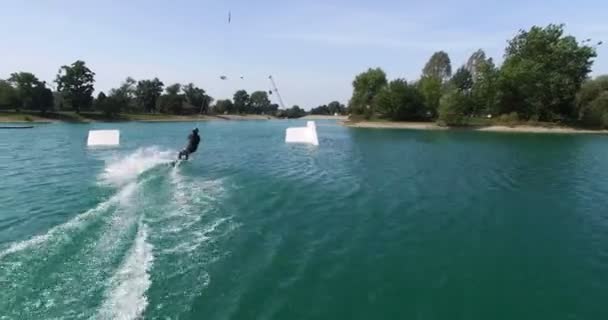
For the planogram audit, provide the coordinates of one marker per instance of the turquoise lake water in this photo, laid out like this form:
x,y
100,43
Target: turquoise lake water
x,y
372,224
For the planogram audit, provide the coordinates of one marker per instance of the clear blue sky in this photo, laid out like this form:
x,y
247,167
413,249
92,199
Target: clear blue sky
x,y
313,48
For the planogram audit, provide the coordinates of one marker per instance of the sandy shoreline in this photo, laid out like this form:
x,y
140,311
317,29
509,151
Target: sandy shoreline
x,y
240,117
33,119
323,117
492,128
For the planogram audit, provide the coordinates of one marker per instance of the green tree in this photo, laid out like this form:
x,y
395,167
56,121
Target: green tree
x,y
126,91
120,99
26,84
30,93
475,62
596,114
42,98
241,102
207,103
172,101
223,106
400,101
365,87
273,109
438,66
336,107
147,93
435,73
75,82
173,89
485,87
320,110
590,90
432,90
9,97
111,106
462,80
259,102
128,87
542,72
99,102
197,98
59,103
591,99
453,108
295,112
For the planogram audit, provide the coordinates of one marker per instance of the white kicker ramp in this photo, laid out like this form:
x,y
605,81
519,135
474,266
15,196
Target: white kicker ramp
x,y
103,138
306,134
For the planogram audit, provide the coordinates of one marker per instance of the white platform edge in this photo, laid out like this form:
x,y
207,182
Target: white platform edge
x,y
103,138
306,134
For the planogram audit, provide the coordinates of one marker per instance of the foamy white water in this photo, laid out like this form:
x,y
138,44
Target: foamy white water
x,y
126,298
84,272
127,168
105,256
192,201
122,171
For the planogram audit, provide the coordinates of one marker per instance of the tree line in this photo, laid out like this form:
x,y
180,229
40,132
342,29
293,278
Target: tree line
x,y
75,87
333,108
544,77
23,90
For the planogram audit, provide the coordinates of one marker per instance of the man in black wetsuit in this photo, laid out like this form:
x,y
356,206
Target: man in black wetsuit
x,y
193,140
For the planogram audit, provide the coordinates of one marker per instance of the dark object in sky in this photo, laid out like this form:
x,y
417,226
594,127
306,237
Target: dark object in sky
x,y
229,17
223,77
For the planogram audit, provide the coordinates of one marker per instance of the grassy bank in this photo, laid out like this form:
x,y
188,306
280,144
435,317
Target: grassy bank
x,y
84,117
21,117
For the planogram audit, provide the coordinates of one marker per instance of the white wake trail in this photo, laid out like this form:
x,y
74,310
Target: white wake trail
x,y
78,222
113,232
122,172
126,298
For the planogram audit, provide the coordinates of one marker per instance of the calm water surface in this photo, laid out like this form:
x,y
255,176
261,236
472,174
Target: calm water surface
x,y
372,224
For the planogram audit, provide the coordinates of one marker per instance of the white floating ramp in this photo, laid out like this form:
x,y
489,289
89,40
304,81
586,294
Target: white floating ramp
x,y
306,134
103,138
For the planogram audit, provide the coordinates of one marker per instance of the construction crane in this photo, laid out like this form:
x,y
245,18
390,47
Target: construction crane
x,y
276,91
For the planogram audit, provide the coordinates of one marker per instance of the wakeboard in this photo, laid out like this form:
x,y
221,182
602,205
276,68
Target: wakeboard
x,y
176,163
